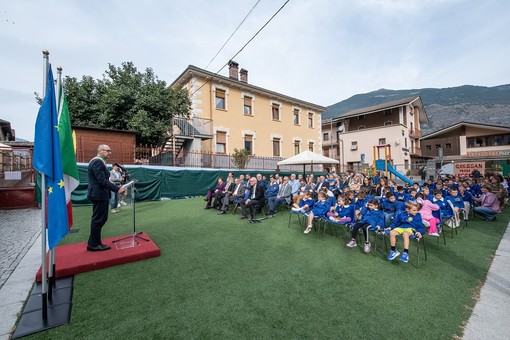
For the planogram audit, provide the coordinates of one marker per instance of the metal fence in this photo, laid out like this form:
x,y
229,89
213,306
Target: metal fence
x,y
150,155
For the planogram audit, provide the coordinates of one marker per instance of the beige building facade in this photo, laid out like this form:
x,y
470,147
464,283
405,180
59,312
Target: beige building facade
x,y
243,116
350,137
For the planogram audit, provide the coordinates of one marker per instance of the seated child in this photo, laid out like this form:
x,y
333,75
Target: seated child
x,y
305,204
342,212
320,209
401,195
427,207
406,224
389,207
457,202
444,207
372,218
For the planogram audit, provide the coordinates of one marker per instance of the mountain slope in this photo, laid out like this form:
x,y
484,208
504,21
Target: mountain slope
x,y
444,107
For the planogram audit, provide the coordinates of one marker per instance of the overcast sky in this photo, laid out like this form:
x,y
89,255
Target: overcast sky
x,y
321,51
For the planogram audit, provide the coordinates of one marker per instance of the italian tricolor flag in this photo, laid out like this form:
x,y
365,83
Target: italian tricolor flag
x,y
69,166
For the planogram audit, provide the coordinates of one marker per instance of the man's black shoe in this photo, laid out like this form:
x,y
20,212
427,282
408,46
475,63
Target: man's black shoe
x,y
221,212
100,247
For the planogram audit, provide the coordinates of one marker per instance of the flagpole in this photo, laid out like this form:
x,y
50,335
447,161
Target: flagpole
x,y
44,287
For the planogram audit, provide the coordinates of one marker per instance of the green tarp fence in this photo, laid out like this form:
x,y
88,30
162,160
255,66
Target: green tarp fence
x,y
157,182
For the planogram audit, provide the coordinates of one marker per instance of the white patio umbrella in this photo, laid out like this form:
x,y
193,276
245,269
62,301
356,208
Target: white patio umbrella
x,y
308,157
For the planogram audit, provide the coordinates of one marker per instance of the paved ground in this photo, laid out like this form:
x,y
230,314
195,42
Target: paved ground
x,y
20,258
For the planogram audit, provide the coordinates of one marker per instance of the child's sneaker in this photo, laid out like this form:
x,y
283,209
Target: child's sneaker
x,y
332,218
367,247
393,255
405,257
434,234
351,244
295,209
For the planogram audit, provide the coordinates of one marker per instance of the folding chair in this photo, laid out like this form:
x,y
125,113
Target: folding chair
x,y
300,215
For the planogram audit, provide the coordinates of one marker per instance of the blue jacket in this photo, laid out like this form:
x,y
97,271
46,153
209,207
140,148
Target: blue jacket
x,y
467,197
406,220
346,211
402,197
457,201
374,218
392,207
444,207
271,190
321,208
310,202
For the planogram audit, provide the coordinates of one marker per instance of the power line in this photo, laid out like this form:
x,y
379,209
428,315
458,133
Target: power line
x,y
242,48
226,42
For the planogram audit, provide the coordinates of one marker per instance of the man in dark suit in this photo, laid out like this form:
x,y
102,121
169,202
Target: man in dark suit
x,y
234,191
255,198
99,194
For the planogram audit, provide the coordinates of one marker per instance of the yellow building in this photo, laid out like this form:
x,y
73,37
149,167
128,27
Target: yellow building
x,y
228,113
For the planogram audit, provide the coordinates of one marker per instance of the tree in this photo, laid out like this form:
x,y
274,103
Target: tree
x,y
241,158
126,99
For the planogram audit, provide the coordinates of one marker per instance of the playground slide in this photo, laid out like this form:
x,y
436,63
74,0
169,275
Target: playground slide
x,y
380,166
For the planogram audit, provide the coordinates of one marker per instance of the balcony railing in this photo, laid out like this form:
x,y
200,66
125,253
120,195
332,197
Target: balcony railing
x,y
415,133
192,127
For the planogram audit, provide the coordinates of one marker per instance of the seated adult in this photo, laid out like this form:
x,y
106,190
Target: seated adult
x,y
283,196
235,192
254,200
271,188
489,205
213,192
303,188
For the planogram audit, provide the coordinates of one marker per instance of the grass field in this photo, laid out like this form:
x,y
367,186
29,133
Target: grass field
x,y
221,277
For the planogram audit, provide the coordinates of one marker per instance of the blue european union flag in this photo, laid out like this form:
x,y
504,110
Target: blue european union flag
x,y
48,161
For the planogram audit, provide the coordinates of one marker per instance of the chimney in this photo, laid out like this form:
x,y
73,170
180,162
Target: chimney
x,y
233,69
244,75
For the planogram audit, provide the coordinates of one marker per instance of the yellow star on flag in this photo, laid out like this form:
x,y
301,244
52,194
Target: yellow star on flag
x,y
50,190
61,184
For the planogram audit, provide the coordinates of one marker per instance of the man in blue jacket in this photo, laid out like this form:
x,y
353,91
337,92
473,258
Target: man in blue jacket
x,y
98,193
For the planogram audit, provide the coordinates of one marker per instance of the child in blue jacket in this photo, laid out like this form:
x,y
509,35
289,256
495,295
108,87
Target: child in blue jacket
x,y
342,212
406,224
457,203
305,204
320,209
373,218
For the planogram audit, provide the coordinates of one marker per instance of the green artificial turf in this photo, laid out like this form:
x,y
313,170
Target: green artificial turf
x,y
221,277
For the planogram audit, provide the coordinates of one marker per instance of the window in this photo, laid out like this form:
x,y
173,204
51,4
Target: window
x,y
438,146
361,127
248,143
297,147
382,141
412,128
276,111
221,142
220,99
310,146
247,106
428,147
276,147
310,120
448,146
296,117
354,146
325,136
